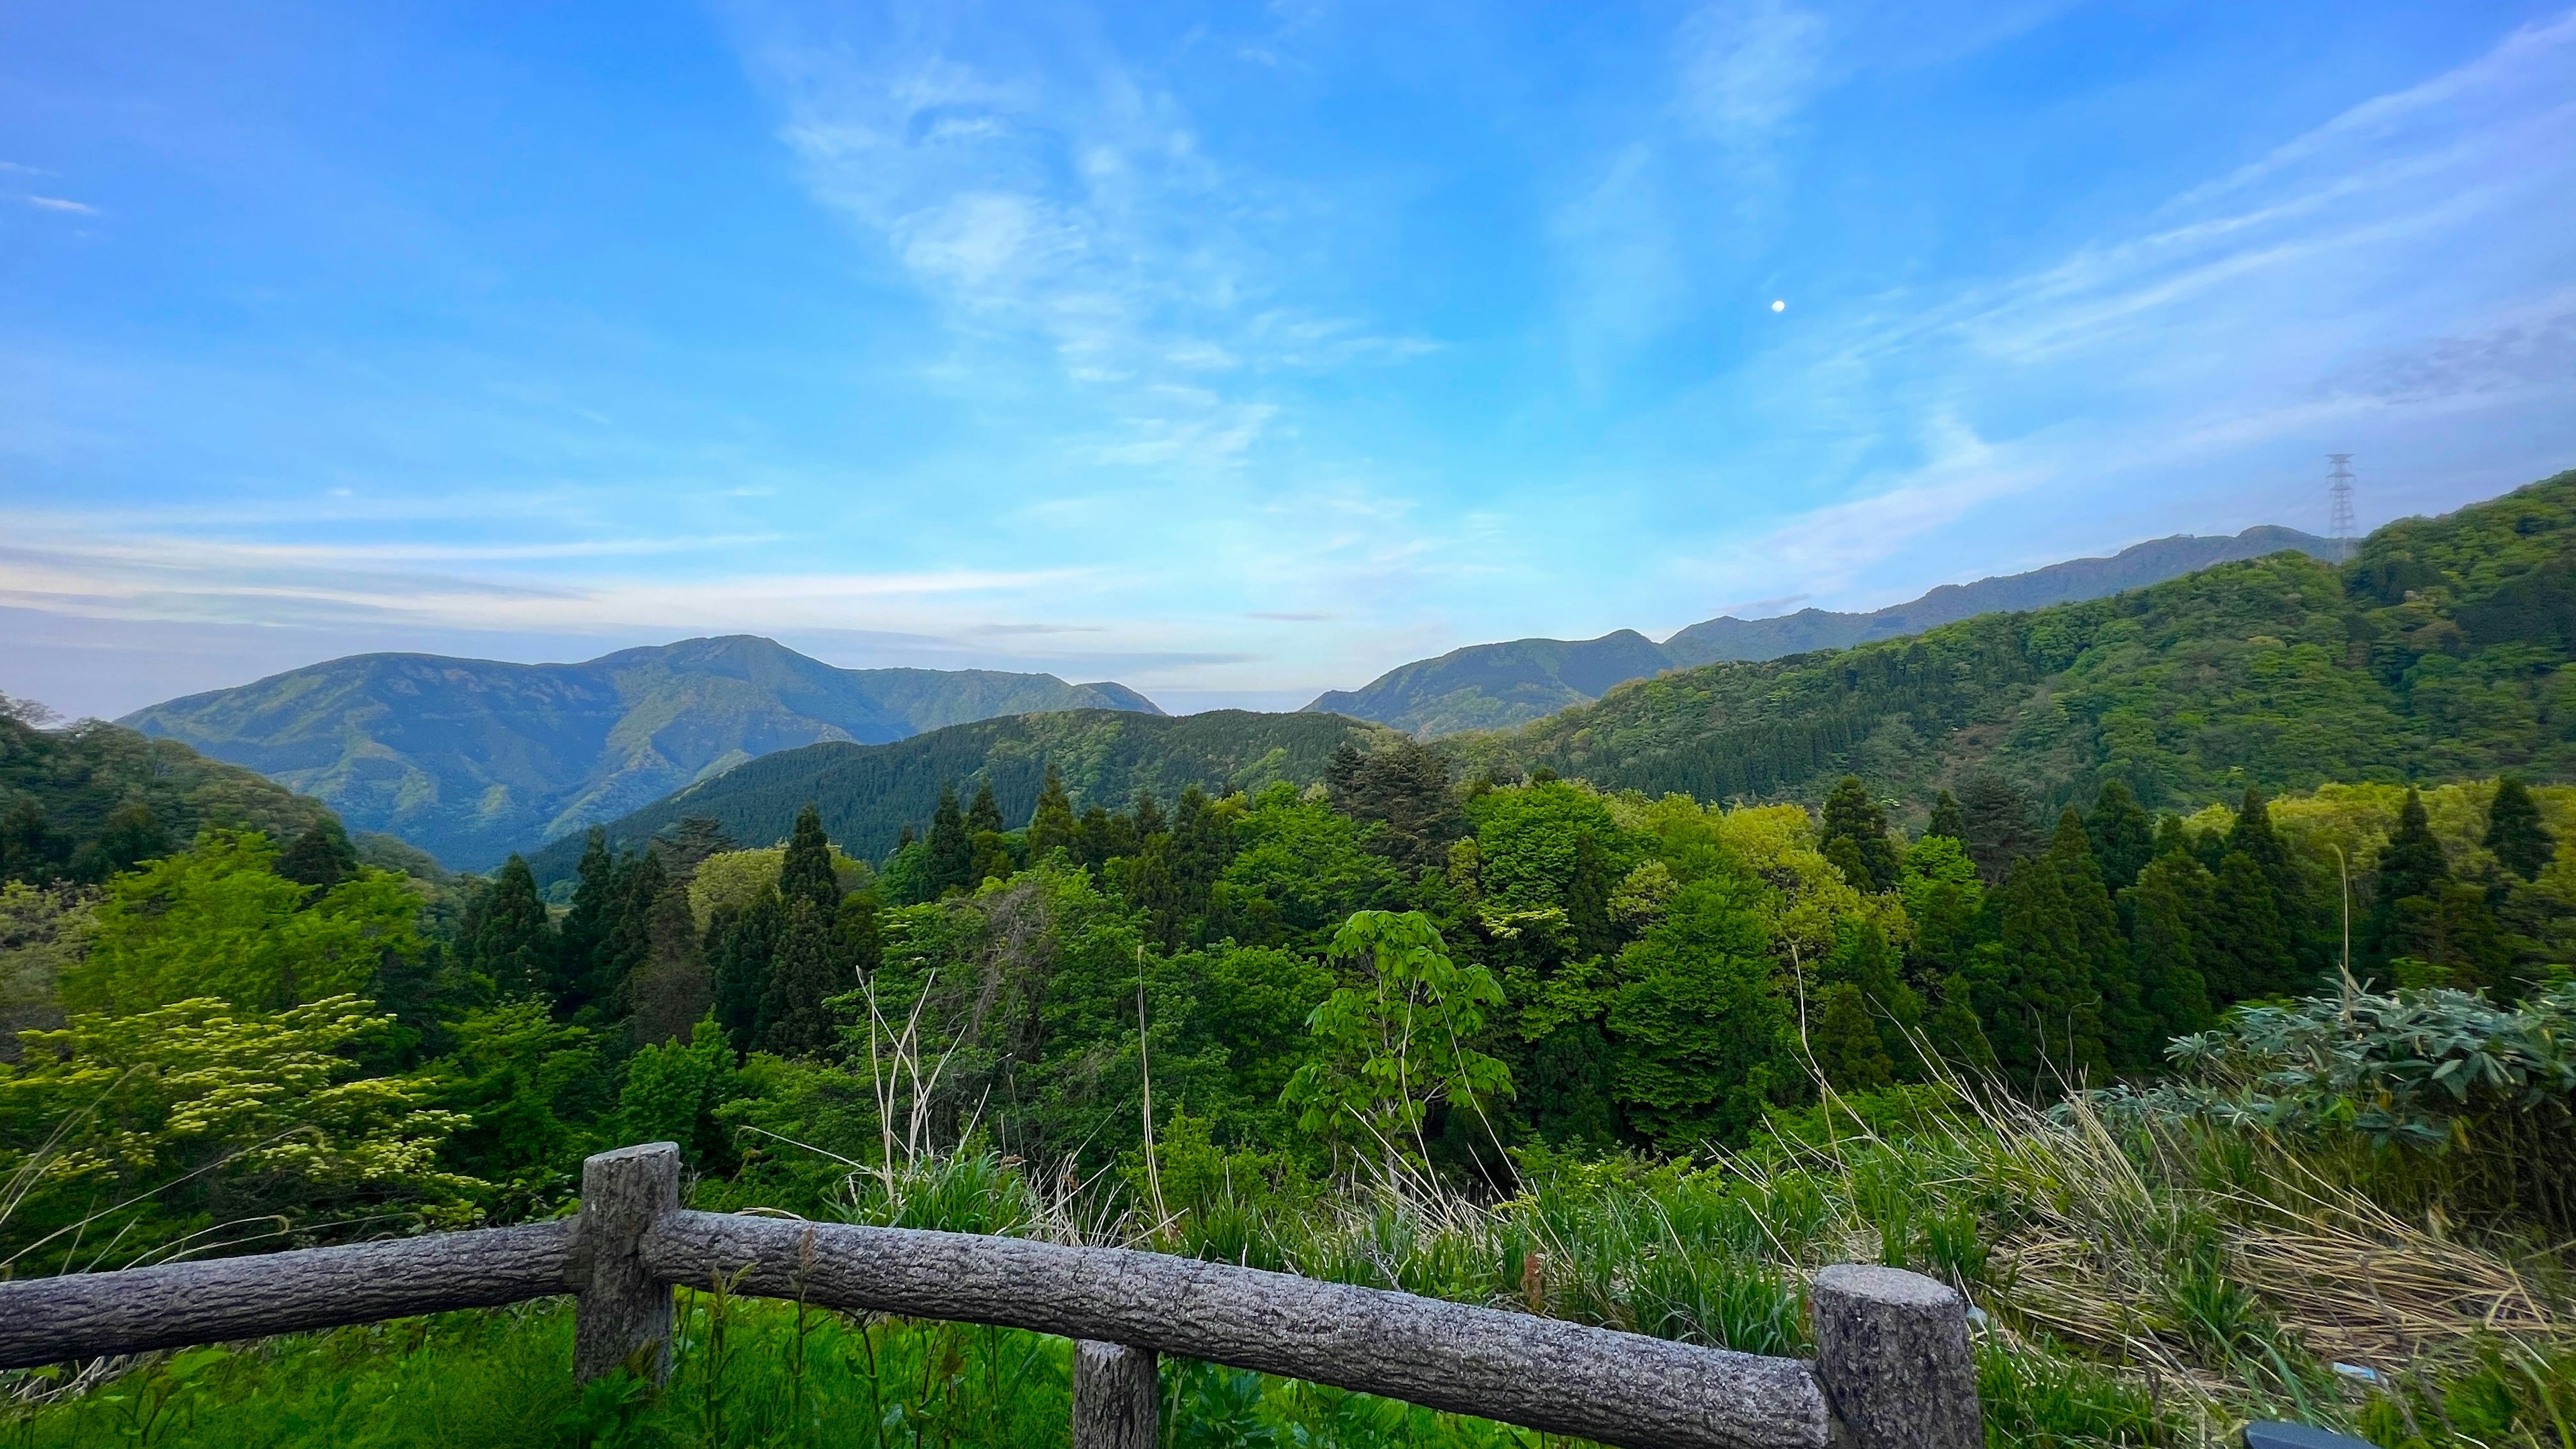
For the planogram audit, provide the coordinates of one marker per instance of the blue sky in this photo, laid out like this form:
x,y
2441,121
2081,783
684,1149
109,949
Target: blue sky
x,y
1233,352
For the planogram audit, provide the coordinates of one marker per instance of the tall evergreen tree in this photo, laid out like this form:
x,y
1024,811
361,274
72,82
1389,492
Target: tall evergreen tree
x,y
857,942
688,841
2246,949
1862,966
2034,990
2173,893
1587,898
626,935
1999,824
1202,847
2123,837
1947,819
505,936
320,858
984,813
952,854
2407,896
2128,1035
1855,837
595,901
2522,844
1051,828
805,871
803,974
740,947
1149,818
1403,786
2253,835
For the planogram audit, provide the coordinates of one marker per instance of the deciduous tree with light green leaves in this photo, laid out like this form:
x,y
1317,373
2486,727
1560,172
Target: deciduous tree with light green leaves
x,y
1395,1043
215,921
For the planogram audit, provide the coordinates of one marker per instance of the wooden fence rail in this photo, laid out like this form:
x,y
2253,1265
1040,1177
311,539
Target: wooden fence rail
x,y
1893,1368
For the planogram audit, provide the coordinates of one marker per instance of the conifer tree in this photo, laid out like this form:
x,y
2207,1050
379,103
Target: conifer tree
x,y
2128,1036
805,871
2173,893
2246,947
1403,786
1946,819
320,858
626,934
2514,832
1149,818
505,936
2035,994
1856,827
2407,896
739,950
1864,962
1587,898
2000,830
952,853
585,926
2123,837
803,974
2252,835
1202,847
984,814
1051,828
1845,1042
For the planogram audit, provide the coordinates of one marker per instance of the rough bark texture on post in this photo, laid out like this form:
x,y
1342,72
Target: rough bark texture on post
x,y
83,1315
1117,1396
1892,1355
624,1313
1609,1387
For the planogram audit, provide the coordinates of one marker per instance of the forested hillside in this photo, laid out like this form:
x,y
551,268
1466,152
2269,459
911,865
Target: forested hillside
x,y
85,802
1494,686
2439,652
870,794
468,759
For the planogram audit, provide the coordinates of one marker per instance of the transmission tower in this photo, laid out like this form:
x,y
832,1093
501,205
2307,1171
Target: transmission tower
x,y
2340,479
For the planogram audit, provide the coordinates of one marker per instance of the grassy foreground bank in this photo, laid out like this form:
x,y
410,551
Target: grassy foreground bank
x,y
2148,1271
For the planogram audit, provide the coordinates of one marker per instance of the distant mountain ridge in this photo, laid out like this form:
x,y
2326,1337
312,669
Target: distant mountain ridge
x,y
470,759
1495,686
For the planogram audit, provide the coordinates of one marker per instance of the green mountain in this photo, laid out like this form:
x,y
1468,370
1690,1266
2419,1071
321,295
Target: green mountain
x,y
2442,651
867,794
84,801
469,759
1494,686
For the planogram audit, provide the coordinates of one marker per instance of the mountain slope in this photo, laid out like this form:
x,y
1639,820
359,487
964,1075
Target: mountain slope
x,y
468,759
2441,651
868,793
1491,686
78,780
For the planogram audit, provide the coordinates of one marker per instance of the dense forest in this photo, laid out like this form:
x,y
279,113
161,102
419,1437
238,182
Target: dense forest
x,y
2217,1100
2439,652
870,794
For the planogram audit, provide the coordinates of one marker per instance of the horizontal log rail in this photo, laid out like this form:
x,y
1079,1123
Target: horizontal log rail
x,y
1893,1371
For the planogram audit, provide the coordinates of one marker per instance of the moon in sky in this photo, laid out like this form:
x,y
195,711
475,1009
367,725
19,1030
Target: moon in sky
x,y
1779,306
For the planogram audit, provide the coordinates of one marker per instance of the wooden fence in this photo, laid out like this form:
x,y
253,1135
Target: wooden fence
x,y
1893,1367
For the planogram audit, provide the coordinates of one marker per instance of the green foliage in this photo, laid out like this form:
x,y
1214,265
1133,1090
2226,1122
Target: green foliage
x,y
1704,1042
84,802
1855,837
869,794
191,1123
1393,1045
215,921
2435,654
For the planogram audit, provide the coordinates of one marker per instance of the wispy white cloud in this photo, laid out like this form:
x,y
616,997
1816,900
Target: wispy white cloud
x,y
1044,190
1746,66
57,203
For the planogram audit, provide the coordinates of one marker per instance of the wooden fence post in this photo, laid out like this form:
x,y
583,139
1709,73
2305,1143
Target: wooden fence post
x,y
623,1314
1117,1396
1893,1358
